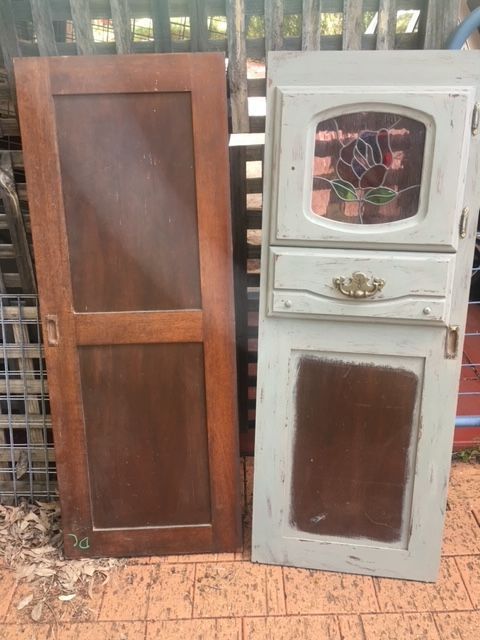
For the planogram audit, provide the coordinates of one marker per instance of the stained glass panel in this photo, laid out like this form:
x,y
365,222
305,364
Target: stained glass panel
x,y
367,167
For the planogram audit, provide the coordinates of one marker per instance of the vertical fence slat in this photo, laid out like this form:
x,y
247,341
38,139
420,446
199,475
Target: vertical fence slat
x,y
8,39
238,181
387,23
352,24
82,24
16,225
311,13
198,25
451,16
433,25
237,65
273,25
161,25
194,25
43,25
441,20
121,25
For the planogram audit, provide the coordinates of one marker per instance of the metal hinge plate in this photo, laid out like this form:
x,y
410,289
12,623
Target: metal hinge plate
x,y
476,119
462,228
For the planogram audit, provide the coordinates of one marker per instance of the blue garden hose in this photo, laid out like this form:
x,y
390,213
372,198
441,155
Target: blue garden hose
x,y
464,30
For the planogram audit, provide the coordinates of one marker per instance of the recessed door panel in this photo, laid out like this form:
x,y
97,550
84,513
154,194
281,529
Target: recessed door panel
x,y
145,428
373,169
138,184
370,199
349,416
128,190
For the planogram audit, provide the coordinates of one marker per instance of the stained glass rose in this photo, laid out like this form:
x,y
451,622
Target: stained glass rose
x,y
365,160
362,166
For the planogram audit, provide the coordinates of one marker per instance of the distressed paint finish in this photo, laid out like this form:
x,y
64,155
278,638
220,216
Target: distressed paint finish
x,y
402,328
417,286
298,104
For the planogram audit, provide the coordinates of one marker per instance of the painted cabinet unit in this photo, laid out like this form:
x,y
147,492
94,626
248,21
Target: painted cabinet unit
x,y
129,201
371,194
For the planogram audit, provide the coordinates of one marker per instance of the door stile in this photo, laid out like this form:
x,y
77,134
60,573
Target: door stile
x,y
50,247
216,282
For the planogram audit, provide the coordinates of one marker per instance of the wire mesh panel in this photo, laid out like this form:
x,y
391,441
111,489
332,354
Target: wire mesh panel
x,y
468,409
27,463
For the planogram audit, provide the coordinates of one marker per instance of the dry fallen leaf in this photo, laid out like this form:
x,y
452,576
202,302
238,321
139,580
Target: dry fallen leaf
x,y
36,612
67,598
25,602
31,543
21,467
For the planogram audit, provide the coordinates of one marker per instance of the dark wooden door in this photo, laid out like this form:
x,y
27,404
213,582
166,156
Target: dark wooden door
x,y
126,161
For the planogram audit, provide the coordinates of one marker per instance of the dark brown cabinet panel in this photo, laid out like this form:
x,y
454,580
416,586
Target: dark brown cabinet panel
x,y
128,186
349,418
147,401
128,182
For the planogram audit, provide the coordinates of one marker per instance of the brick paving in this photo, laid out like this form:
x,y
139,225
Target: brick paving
x,y
226,597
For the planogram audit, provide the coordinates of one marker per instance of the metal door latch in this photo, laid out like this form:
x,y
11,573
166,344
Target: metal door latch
x,y
51,322
451,343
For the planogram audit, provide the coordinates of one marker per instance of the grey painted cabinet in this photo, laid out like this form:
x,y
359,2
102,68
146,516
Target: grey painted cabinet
x,y
371,194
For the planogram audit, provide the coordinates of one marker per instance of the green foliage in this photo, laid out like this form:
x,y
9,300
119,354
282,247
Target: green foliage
x,y
142,33
256,27
467,455
217,27
367,18
331,24
403,20
292,26
180,28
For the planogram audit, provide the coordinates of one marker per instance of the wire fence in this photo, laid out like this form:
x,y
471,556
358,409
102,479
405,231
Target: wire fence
x,y
27,462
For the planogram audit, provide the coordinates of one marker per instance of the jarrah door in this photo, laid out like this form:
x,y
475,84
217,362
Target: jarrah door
x,y
371,196
128,189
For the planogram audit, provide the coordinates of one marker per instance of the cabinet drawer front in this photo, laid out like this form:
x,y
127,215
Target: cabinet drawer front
x,y
398,286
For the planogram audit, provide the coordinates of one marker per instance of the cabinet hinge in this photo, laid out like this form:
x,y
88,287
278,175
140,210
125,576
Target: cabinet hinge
x,y
476,119
451,343
462,229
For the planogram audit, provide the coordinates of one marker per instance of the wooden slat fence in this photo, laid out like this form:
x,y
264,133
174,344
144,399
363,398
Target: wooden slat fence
x,y
244,30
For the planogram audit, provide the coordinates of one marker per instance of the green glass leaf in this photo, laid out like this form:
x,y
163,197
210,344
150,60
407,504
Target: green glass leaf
x,y
344,190
382,195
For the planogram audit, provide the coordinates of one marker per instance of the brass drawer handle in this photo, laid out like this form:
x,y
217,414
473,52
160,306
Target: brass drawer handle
x,y
358,285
